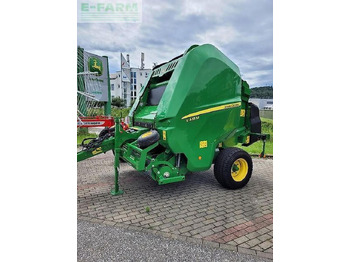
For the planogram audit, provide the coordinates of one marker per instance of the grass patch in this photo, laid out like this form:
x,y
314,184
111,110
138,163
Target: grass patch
x,y
267,120
81,137
115,112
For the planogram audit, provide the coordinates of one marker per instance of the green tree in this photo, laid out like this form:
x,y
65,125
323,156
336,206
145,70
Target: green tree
x,y
262,92
118,102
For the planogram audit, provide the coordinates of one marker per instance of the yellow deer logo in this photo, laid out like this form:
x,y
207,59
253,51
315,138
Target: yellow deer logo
x,y
96,66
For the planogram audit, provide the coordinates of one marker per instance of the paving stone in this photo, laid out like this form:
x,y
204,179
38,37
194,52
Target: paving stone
x,y
183,210
257,248
262,231
246,250
196,231
195,240
253,235
228,247
108,223
197,225
253,242
187,223
266,244
179,221
206,233
240,240
264,237
218,229
209,221
228,238
146,222
211,244
268,255
185,229
269,250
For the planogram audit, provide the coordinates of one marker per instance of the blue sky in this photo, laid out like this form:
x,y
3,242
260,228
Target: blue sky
x,y
241,29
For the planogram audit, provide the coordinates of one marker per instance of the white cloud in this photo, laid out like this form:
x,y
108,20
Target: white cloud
x,y
242,30
208,8
220,35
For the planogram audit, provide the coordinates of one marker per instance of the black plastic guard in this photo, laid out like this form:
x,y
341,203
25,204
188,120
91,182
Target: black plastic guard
x,y
255,124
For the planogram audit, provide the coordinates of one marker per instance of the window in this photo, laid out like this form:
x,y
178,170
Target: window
x,y
155,95
112,87
140,73
133,91
269,102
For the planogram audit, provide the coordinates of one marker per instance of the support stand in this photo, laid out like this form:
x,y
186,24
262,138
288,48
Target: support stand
x,y
263,151
116,191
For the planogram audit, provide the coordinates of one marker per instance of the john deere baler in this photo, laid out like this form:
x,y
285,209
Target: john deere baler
x,y
189,114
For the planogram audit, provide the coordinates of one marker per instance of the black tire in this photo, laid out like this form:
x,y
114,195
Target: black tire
x,y
228,159
148,138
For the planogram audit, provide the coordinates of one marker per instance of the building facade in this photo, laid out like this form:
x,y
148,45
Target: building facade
x,y
128,88
262,103
128,82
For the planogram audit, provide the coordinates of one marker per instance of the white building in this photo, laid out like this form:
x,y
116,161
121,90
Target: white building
x,y
127,83
262,103
128,90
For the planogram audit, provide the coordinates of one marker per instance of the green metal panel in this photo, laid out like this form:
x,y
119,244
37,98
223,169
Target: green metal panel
x,y
107,106
137,161
200,107
146,114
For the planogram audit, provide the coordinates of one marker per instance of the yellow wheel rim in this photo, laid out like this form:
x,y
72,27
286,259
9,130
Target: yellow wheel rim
x,y
239,169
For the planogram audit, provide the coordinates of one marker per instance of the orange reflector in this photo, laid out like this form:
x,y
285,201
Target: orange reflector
x,y
200,158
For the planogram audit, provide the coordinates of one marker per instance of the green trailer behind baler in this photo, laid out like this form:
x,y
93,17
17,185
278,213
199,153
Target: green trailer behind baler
x,y
189,114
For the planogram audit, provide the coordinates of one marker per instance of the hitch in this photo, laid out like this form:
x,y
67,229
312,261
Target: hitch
x,y
262,137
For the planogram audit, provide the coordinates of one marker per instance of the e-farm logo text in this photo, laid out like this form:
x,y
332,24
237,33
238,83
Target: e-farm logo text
x,y
114,11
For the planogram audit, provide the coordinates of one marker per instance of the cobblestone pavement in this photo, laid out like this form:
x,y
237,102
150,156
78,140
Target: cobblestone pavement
x,y
196,210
